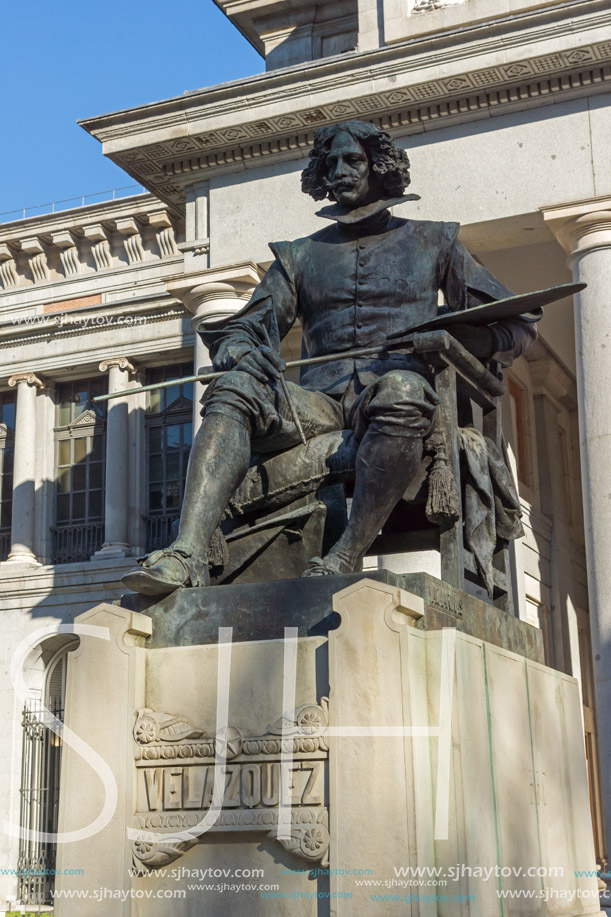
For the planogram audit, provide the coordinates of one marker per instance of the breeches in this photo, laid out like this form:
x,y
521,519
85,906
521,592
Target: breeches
x,y
399,403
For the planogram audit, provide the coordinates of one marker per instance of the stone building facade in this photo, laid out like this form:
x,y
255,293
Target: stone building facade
x,y
505,108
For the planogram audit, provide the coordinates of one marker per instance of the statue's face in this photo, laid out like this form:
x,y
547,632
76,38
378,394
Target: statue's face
x,y
349,172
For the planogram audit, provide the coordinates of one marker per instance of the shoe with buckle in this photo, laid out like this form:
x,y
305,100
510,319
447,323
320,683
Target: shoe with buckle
x,y
165,571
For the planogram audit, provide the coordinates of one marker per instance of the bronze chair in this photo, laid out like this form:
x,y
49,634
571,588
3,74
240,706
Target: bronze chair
x,y
460,380
276,522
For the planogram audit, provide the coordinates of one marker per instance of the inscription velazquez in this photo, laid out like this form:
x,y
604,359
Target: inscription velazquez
x,y
176,766
247,786
446,600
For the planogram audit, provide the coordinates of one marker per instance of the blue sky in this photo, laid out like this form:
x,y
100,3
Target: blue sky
x,y
66,59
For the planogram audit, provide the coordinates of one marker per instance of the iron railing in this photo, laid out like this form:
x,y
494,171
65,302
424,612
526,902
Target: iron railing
x,y
83,200
73,543
40,769
5,543
161,530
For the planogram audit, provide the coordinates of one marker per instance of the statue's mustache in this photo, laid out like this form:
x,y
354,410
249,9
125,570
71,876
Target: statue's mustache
x,y
341,184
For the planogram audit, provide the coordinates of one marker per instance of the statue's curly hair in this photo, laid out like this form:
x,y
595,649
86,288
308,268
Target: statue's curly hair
x,y
386,159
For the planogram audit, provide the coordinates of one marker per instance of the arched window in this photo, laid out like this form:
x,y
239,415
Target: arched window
x,y
40,772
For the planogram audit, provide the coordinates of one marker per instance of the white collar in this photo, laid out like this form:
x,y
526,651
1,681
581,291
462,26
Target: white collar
x,y
343,215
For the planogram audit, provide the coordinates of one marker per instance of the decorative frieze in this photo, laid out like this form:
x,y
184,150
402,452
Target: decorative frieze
x,y
423,6
130,231
177,769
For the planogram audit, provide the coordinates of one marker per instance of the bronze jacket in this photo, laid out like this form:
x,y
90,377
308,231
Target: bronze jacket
x,y
353,283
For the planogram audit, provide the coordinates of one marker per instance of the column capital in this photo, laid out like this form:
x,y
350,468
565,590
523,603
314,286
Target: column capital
x,y
216,292
121,362
551,381
581,226
30,378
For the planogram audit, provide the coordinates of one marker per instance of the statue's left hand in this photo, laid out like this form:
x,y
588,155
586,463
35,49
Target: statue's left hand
x,y
479,340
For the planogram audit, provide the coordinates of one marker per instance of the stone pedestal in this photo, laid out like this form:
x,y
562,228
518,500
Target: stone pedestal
x,y
315,771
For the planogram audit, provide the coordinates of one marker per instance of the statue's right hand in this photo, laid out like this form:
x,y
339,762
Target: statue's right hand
x,y
262,363
229,355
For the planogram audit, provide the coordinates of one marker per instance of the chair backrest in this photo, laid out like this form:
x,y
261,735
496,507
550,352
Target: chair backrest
x,y
459,378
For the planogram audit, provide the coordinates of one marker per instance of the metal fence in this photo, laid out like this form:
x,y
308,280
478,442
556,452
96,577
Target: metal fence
x,y
5,543
73,543
161,531
69,203
40,769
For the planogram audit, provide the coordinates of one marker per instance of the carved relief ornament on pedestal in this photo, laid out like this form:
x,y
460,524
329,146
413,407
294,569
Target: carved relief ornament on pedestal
x,y
176,772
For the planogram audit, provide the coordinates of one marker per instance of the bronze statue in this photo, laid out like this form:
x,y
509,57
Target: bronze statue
x,y
363,277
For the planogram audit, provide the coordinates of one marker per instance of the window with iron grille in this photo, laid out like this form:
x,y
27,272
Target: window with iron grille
x,y
169,433
8,403
40,770
80,445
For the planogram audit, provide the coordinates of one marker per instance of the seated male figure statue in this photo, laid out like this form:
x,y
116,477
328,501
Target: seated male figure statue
x,y
366,275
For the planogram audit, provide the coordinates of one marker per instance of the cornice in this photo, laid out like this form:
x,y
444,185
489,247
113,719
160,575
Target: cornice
x,y
61,581
17,335
111,281
170,144
353,68
47,223
74,364
258,44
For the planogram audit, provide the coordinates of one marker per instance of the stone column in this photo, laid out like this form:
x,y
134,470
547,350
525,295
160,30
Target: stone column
x,y
24,475
211,296
116,499
584,230
553,390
